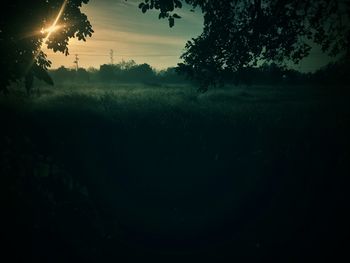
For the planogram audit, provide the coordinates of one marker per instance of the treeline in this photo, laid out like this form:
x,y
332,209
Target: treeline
x,y
336,73
123,72
266,74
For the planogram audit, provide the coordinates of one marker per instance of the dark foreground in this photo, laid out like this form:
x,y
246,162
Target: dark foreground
x,y
246,176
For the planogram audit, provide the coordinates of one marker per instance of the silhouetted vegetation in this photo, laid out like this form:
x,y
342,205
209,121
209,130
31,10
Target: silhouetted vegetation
x,y
334,74
236,35
25,26
95,173
123,163
239,34
123,72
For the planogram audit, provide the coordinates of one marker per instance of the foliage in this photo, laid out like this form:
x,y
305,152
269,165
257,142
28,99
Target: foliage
x,y
123,72
126,71
239,33
271,74
333,73
165,7
22,35
164,168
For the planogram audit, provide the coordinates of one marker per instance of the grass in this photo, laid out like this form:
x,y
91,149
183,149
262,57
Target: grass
x,y
138,171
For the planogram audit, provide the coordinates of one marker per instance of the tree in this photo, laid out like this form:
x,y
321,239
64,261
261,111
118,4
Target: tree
x,y
141,73
25,26
62,74
240,33
108,72
236,34
126,65
170,75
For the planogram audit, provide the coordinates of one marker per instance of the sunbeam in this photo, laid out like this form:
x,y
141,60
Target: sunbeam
x,y
48,32
54,25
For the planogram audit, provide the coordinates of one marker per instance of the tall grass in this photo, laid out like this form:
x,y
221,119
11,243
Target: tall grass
x,y
169,169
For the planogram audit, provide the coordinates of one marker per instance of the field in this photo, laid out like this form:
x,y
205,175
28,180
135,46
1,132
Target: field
x,y
104,172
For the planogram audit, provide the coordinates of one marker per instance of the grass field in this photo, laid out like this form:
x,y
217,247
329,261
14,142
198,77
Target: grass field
x,y
101,172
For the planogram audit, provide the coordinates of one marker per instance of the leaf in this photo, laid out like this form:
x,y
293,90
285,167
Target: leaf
x,y
141,5
171,21
176,16
42,74
178,4
145,8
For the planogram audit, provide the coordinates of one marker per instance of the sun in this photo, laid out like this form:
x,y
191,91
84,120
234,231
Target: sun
x,y
50,29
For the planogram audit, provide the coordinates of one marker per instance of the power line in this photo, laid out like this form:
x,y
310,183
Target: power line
x,y
88,54
128,55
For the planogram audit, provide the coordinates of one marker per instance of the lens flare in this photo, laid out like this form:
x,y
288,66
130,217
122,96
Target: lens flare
x,y
50,29
54,25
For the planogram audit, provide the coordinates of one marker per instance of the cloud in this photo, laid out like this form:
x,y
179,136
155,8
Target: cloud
x,y
138,38
121,26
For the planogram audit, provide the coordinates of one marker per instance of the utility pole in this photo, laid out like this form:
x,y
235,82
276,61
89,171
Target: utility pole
x,y
111,55
76,62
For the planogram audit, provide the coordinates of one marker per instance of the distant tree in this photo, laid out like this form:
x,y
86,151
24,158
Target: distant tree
x,y
294,77
141,73
170,75
239,33
92,70
236,34
61,74
93,74
334,72
245,76
25,26
107,72
126,65
273,74
82,75
127,71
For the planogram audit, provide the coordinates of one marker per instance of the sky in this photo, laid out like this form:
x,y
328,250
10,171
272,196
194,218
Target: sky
x,y
122,27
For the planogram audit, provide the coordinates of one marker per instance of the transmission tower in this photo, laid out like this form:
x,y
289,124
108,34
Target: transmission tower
x,y
111,55
76,62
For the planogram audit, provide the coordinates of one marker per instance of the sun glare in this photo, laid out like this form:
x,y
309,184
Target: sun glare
x,y
50,29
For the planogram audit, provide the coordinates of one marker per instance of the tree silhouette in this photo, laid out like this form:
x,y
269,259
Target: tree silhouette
x,y
239,33
236,34
25,26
